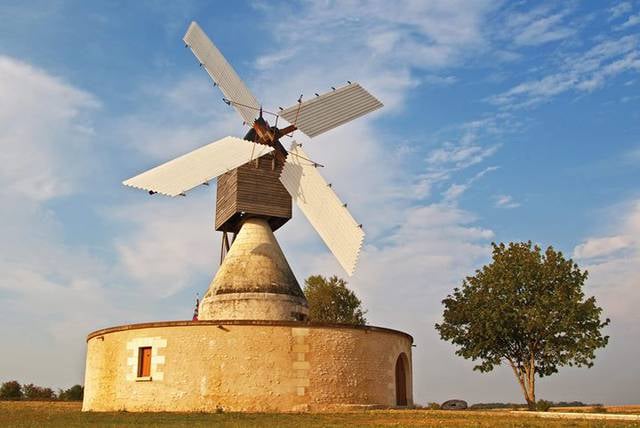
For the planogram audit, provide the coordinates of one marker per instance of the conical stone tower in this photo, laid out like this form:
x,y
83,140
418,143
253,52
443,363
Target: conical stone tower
x,y
254,281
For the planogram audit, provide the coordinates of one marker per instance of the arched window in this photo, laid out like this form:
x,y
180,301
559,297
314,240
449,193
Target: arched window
x,y
401,380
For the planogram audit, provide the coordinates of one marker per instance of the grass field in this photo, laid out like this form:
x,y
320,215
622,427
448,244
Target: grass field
x,y
60,414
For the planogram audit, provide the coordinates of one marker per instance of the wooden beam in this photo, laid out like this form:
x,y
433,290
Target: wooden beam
x,y
264,132
287,130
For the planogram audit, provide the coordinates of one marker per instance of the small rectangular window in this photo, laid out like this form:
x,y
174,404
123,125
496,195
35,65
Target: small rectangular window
x,y
144,361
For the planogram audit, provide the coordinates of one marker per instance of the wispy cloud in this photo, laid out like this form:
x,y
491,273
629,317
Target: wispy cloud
x,y
475,143
456,190
631,21
459,156
581,72
538,27
433,79
620,9
424,34
506,201
444,162
371,43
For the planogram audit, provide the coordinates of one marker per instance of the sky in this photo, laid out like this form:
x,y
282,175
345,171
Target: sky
x,y
503,121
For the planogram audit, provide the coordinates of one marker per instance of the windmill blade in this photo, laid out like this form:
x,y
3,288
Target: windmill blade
x,y
331,110
222,73
197,167
326,213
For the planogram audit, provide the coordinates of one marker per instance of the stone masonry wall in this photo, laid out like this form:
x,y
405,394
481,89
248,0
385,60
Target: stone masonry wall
x,y
244,367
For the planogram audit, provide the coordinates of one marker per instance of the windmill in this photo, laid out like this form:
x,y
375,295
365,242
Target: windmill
x,y
257,179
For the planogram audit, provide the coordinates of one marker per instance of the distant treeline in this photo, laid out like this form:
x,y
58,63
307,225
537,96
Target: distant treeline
x,y
520,405
12,390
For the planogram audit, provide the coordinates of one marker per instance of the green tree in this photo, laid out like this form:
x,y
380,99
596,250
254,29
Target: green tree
x,y
75,393
525,308
331,301
11,390
35,392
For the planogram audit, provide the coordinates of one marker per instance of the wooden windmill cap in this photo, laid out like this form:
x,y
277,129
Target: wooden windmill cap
x,y
254,280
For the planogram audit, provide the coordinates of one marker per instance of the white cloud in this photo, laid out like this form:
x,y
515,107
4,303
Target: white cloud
x,y
506,201
437,243
470,148
600,247
631,21
613,262
368,42
456,190
620,9
51,291
459,156
176,118
427,34
583,71
167,243
45,132
433,79
266,62
537,28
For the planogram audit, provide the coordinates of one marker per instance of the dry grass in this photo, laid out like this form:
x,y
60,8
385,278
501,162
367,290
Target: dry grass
x,y
39,414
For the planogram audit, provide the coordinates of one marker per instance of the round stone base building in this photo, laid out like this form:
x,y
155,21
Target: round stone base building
x,y
253,349
246,366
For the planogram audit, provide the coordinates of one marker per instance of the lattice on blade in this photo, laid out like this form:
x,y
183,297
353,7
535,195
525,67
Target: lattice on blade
x,y
327,111
322,207
197,167
222,73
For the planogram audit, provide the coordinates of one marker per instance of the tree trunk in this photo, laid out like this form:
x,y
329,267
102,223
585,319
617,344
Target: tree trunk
x,y
531,393
531,377
526,379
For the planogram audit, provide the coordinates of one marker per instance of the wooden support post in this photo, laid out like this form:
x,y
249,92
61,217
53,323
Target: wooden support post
x,y
224,248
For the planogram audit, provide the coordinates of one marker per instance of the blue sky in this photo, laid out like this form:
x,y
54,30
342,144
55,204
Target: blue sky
x,y
502,121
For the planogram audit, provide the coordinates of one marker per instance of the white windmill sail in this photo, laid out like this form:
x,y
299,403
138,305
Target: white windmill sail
x,y
330,110
222,73
326,213
199,166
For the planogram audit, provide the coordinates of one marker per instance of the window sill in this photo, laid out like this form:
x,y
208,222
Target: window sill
x,y
143,379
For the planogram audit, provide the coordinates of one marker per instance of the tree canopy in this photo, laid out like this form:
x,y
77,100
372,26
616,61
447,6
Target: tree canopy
x,y
35,392
11,390
525,308
331,301
75,393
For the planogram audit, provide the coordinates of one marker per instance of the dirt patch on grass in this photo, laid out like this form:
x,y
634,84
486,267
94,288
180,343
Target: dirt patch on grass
x,y
631,409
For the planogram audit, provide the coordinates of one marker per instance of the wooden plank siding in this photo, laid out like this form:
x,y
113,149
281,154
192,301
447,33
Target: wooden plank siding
x,y
254,190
